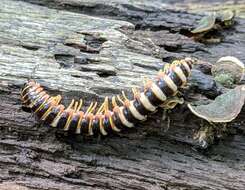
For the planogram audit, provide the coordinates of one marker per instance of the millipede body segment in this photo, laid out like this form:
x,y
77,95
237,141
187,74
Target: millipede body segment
x,y
124,112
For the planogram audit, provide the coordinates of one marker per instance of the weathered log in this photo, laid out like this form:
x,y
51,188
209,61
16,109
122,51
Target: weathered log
x,y
90,57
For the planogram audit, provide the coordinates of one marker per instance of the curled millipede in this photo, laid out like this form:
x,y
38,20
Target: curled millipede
x,y
103,120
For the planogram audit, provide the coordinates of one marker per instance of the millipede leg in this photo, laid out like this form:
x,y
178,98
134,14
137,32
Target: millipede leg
x,y
136,93
93,108
44,102
58,99
114,102
108,114
79,106
100,110
71,112
172,102
90,129
71,104
104,109
89,108
106,104
166,68
55,102
148,84
126,100
89,114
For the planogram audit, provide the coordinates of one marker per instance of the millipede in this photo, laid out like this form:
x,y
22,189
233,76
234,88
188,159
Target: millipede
x,y
112,115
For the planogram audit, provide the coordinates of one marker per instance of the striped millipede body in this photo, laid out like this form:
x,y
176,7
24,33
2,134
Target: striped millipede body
x,y
104,120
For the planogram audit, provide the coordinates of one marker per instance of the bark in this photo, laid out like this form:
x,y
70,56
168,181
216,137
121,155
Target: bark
x,y
92,49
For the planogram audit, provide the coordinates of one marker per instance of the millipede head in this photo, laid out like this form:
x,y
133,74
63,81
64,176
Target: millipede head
x,y
29,88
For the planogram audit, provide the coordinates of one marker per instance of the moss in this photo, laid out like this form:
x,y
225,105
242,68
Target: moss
x,y
225,79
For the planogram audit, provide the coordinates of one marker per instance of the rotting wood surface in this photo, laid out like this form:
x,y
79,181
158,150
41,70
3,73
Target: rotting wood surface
x,y
92,49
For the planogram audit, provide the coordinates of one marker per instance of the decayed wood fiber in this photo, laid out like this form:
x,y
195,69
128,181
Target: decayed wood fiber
x,y
77,55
